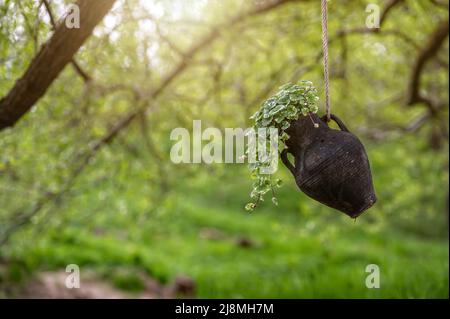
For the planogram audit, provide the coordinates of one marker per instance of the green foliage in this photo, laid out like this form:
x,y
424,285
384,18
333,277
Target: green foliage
x,y
291,101
277,112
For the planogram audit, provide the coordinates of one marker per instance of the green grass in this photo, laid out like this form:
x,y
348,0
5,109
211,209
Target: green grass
x,y
291,260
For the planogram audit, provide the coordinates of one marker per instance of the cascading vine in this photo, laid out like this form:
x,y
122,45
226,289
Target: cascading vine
x,y
290,102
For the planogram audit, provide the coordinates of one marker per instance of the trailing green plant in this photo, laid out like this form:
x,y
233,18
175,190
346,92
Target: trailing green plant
x,y
277,112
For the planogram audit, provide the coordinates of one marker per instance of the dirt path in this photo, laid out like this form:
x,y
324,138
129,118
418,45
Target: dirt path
x,y
51,285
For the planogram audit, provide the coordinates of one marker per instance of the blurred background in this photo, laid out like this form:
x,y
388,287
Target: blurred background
x,y
86,176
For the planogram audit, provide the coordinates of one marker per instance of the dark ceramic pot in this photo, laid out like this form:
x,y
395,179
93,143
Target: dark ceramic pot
x,y
331,166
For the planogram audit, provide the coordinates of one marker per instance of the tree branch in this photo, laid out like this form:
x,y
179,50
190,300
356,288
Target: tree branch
x,y
431,48
388,8
50,61
86,77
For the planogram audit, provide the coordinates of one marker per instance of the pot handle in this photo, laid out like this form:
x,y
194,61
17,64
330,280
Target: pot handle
x,y
286,161
338,122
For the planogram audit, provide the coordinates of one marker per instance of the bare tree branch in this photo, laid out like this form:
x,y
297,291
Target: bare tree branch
x,y
388,8
434,43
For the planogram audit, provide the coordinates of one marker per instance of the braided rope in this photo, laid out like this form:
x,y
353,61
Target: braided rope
x,y
325,58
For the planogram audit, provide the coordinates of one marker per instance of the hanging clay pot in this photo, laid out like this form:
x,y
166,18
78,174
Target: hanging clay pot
x,y
331,166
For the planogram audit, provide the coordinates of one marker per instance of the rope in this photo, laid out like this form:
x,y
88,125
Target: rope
x,y
325,58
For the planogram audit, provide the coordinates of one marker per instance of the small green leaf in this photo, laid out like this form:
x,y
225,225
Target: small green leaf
x,y
250,207
275,201
279,183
